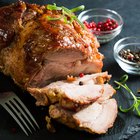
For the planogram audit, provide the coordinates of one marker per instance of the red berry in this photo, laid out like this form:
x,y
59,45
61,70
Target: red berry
x,y
115,26
100,23
86,24
110,23
94,28
108,20
113,21
81,74
98,29
93,24
108,28
107,25
111,28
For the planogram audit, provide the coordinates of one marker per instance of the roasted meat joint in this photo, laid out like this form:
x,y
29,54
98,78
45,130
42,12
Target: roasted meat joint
x,y
49,53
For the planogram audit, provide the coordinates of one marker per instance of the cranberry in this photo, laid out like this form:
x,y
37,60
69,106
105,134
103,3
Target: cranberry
x,y
107,25
110,23
92,24
99,26
98,29
100,23
94,28
81,74
87,24
108,20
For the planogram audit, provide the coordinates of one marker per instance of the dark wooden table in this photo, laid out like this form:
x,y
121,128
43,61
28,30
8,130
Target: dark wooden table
x,y
127,126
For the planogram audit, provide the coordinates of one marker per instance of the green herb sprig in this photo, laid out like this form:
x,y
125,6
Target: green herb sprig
x,y
66,13
136,100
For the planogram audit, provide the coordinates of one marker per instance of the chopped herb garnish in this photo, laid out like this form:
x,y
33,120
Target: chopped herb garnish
x,y
53,7
66,13
50,18
82,7
136,103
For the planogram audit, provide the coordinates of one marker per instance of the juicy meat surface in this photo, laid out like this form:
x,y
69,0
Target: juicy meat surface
x,y
35,51
72,95
95,118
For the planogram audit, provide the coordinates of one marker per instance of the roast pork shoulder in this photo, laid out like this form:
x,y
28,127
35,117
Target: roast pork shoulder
x,y
35,51
39,54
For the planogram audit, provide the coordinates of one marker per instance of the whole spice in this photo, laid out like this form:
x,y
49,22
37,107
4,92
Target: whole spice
x,y
136,103
107,25
81,75
81,83
130,55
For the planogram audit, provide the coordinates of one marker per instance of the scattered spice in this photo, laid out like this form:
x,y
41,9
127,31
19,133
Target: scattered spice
x,y
81,75
107,25
130,55
71,78
81,83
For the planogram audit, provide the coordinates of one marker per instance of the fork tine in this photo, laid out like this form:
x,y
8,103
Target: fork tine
x,y
15,118
22,112
18,114
26,110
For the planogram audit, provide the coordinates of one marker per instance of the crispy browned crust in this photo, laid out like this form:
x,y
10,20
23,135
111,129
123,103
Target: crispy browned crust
x,y
28,37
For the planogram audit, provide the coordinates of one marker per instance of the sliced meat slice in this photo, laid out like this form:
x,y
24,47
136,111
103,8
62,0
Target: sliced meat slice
x,y
76,95
95,118
109,91
72,95
67,99
100,118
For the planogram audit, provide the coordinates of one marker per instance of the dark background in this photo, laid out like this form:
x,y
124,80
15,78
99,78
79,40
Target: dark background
x,y
127,126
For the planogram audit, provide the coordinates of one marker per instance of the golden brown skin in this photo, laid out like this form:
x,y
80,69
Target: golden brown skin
x,y
9,23
35,51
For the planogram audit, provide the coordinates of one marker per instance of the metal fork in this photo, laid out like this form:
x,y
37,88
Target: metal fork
x,y
15,107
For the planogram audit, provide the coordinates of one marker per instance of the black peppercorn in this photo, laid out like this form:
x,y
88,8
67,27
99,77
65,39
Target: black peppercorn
x,y
81,83
130,55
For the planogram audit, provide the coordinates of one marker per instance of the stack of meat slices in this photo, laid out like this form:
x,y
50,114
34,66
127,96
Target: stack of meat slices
x,y
85,106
